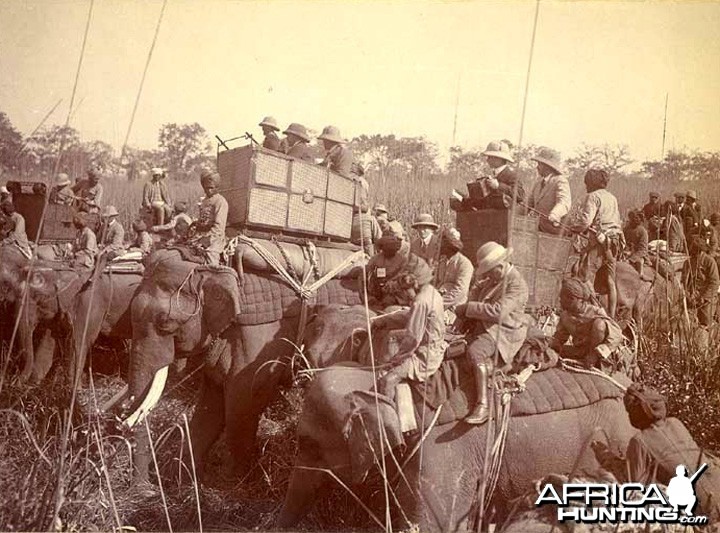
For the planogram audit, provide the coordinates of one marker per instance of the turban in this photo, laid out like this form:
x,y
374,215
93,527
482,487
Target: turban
x,y
644,405
81,219
389,244
575,288
395,228
210,177
451,238
596,178
416,271
139,226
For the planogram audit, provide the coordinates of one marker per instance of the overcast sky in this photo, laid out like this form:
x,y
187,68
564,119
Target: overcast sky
x,y
600,72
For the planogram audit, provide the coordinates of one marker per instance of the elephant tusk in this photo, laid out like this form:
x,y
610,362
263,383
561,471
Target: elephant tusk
x,y
150,400
112,402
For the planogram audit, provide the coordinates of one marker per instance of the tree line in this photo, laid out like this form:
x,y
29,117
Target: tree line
x,y
183,148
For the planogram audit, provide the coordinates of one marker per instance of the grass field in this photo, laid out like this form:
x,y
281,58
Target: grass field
x,y
85,484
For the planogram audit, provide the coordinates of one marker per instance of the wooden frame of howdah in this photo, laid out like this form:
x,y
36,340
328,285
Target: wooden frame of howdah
x,y
269,191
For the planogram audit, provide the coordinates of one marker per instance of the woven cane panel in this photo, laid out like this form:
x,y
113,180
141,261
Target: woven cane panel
x,y
547,287
524,223
524,247
528,275
306,217
341,189
234,167
271,170
268,207
553,252
338,220
309,177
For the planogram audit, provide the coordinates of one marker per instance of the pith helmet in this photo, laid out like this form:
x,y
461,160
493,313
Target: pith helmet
x,y
691,194
424,220
4,190
270,122
380,208
157,171
499,149
62,180
331,133
490,255
549,157
298,130
110,211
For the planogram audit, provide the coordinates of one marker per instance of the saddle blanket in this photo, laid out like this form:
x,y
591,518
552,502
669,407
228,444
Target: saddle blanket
x,y
554,389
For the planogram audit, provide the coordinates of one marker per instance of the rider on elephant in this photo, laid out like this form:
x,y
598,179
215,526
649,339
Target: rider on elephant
x,y
85,246
393,257
636,238
454,271
662,444
422,346
495,313
210,226
599,214
594,334
14,226
701,281
114,237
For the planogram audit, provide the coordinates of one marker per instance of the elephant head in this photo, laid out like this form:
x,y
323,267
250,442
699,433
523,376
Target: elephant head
x,y
341,429
178,310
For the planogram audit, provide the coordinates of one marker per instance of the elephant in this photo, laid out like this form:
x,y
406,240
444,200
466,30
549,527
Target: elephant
x,y
61,300
240,326
336,434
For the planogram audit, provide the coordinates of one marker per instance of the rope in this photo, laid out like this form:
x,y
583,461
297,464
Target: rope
x,y
142,80
567,365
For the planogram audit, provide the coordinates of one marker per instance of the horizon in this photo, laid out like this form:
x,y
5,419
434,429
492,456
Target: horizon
x,y
600,71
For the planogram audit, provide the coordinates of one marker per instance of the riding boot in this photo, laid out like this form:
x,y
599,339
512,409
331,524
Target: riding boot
x,y
481,413
386,384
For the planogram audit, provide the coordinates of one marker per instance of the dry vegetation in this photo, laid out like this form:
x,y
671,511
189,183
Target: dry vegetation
x,y
85,482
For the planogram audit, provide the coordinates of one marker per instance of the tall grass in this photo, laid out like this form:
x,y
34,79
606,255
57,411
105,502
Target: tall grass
x,y
97,489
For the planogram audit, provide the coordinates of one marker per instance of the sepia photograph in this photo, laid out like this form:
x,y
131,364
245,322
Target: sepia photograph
x,y
360,265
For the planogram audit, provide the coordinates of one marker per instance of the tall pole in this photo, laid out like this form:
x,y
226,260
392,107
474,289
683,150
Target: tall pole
x,y
662,157
457,103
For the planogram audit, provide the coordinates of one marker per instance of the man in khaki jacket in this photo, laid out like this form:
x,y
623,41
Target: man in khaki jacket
x,y
550,196
495,312
454,271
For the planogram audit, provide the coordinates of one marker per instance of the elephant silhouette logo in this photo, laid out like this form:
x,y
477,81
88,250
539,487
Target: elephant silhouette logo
x,y
681,489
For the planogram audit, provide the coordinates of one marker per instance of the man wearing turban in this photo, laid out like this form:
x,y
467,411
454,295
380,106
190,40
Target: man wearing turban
x,y
210,226
599,216
422,330
594,334
85,247
654,454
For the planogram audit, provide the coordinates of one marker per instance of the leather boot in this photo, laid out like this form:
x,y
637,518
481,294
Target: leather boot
x,y
481,413
386,384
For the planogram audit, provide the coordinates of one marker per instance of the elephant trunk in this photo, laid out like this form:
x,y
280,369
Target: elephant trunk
x,y
302,492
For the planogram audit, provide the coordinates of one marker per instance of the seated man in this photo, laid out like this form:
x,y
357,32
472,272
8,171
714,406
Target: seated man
x,y
114,235
210,226
427,243
85,247
454,271
156,197
498,188
422,346
338,155
663,445
180,214
392,258
14,226
496,319
62,193
594,334
89,192
550,196
143,241
296,142
636,240
270,128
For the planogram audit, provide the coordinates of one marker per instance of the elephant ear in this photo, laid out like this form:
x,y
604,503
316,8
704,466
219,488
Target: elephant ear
x,y
221,301
363,431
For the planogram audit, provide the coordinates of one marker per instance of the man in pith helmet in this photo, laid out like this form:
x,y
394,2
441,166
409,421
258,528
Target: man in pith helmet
x,y
495,315
550,196
270,128
62,193
427,243
296,142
